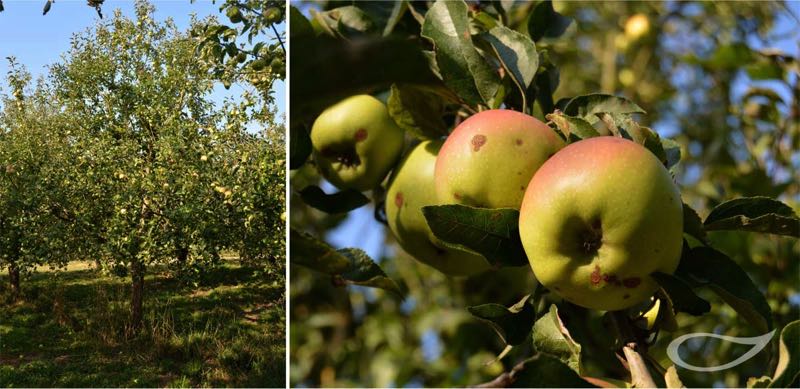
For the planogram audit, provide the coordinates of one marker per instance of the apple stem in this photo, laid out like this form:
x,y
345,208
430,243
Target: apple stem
x,y
633,350
640,375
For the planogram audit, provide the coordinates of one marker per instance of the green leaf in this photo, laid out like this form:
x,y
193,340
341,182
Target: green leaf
x,y
588,106
417,111
364,271
573,128
486,21
299,146
351,21
340,202
323,23
461,66
714,269
300,26
513,324
316,254
681,295
756,214
692,225
551,337
350,265
546,22
544,371
788,370
650,140
730,57
764,70
333,69
672,150
493,233
546,82
398,11
516,53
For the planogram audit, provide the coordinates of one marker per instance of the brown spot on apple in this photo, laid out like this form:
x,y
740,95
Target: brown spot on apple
x,y
478,141
626,296
631,282
398,199
595,276
611,279
456,196
361,134
519,142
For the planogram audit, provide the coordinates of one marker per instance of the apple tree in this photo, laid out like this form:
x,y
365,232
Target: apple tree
x,y
157,163
589,266
250,52
252,48
34,227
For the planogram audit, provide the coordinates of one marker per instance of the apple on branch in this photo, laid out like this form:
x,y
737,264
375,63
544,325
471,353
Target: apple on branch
x,y
411,188
598,218
489,159
355,143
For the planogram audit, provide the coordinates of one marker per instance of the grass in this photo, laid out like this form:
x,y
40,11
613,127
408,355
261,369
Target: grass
x,y
71,330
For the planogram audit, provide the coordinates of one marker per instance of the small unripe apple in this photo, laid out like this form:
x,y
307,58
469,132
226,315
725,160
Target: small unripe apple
x,y
410,189
598,218
489,159
637,26
356,143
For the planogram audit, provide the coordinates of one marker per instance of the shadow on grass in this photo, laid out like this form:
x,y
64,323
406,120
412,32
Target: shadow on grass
x,y
71,331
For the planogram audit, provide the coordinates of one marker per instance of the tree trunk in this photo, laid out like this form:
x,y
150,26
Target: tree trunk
x,y
137,294
13,275
182,254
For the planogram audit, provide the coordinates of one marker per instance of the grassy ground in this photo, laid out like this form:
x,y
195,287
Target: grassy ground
x,y
70,331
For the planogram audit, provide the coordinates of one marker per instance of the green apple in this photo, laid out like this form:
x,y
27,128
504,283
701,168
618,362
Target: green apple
x,y
489,159
410,189
355,143
598,218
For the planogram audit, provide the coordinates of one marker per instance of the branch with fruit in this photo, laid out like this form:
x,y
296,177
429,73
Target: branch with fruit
x,y
470,182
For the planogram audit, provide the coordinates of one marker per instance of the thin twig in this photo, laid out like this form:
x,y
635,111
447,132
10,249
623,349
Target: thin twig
x,y
277,35
507,378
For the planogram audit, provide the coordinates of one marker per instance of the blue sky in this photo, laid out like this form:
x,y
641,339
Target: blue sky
x,y
37,40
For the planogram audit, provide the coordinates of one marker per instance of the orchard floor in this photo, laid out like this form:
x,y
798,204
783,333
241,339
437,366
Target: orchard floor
x,y
70,331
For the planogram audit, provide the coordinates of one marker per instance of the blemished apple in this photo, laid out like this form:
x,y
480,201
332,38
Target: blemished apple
x,y
598,218
410,189
489,159
355,143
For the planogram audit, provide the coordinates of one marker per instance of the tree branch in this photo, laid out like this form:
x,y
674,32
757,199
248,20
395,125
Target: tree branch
x,y
507,378
278,36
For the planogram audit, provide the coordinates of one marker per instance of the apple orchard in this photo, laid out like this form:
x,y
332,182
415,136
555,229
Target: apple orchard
x,y
532,236
119,155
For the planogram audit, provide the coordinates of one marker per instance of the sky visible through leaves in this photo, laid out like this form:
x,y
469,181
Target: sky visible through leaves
x,y
38,40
